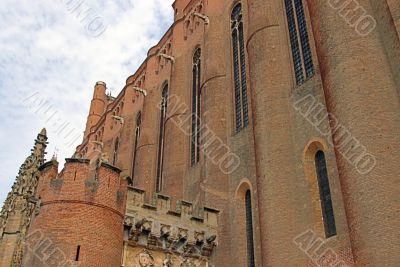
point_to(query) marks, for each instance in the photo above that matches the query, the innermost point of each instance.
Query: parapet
(156, 227)
(101, 83)
(81, 181)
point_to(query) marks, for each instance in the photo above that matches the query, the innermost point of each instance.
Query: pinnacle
(43, 132)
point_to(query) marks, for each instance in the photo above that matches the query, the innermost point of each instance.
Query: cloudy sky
(51, 54)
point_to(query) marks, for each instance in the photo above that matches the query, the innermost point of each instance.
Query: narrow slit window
(299, 41)
(249, 230)
(137, 136)
(163, 116)
(239, 69)
(325, 194)
(78, 251)
(196, 109)
(116, 148)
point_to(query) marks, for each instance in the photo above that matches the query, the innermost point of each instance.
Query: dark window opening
(325, 195)
(239, 69)
(249, 230)
(163, 116)
(137, 136)
(116, 148)
(299, 41)
(196, 109)
(78, 251)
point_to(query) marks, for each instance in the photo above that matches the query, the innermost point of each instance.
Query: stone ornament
(145, 259)
(20, 201)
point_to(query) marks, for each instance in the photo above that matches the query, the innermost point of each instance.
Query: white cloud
(45, 50)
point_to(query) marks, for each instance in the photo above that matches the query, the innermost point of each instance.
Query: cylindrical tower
(80, 220)
(97, 106)
(362, 93)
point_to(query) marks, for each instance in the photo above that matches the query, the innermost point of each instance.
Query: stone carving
(128, 221)
(145, 259)
(191, 20)
(104, 158)
(168, 261)
(174, 237)
(20, 202)
(199, 237)
(189, 262)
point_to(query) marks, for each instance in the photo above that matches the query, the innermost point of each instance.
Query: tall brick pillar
(271, 83)
(215, 109)
(361, 92)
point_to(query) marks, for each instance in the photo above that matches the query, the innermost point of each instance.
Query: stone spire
(19, 205)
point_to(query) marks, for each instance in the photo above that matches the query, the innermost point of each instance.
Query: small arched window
(299, 41)
(137, 135)
(116, 148)
(325, 194)
(249, 230)
(239, 69)
(196, 109)
(163, 116)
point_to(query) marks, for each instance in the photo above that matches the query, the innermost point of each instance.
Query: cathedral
(255, 133)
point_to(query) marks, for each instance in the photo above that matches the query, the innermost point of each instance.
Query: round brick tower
(80, 219)
(97, 106)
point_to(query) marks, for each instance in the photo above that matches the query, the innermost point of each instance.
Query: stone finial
(43, 132)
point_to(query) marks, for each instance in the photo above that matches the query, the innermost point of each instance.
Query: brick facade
(343, 101)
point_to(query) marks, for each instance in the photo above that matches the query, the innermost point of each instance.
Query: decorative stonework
(139, 81)
(139, 257)
(192, 20)
(177, 234)
(164, 56)
(20, 204)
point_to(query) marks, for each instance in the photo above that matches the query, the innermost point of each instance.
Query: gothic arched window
(302, 58)
(239, 69)
(196, 111)
(116, 148)
(163, 116)
(325, 194)
(137, 135)
(249, 230)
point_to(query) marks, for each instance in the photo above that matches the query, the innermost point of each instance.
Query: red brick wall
(76, 211)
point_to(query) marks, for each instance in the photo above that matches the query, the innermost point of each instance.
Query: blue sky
(52, 53)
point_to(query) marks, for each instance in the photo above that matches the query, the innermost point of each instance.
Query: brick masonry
(356, 82)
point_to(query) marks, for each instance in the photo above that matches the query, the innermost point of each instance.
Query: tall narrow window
(163, 116)
(249, 230)
(239, 69)
(325, 194)
(299, 42)
(116, 148)
(196, 112)
(137, 135)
